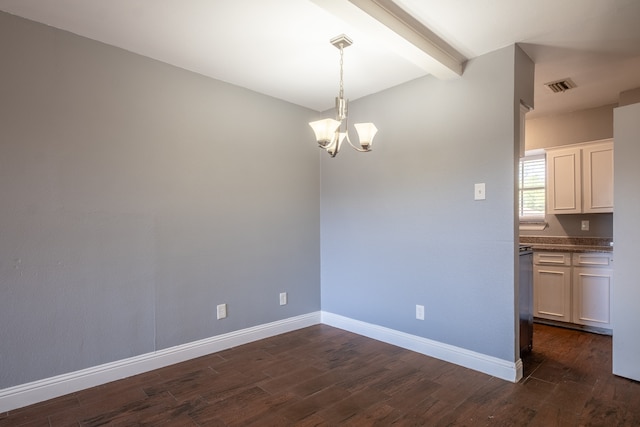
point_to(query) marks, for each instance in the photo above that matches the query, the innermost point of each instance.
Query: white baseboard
(49, 388)
(504, 369)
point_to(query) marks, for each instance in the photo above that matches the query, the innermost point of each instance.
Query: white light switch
(479, 193)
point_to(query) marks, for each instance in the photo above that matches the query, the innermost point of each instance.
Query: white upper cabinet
(564, 175)
(580, 178)
(597, 182)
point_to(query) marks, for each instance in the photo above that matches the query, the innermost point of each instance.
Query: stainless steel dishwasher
(525, 298)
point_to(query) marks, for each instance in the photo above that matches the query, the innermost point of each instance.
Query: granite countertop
(568, 244)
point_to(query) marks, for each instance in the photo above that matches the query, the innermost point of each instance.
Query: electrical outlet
(221, 311)
(584, 225)
(283, 298)
(420, 312)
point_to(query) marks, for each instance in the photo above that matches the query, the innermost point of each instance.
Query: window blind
(532, 179)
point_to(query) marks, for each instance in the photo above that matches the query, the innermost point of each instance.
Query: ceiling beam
(390, 24)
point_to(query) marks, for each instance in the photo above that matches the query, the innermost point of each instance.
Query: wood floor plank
(313, 404)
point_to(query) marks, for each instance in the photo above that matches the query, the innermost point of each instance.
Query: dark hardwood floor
(322, 376)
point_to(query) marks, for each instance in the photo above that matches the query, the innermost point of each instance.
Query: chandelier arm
(354, 147)
(345, 122)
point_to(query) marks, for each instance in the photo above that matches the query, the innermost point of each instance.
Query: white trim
(533, 225)
(37, 391)
(500, 368)
(48, 388)
(535, 152)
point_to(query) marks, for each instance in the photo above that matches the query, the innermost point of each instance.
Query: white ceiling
(281, 47)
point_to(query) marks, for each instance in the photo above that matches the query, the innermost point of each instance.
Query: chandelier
(331, 133)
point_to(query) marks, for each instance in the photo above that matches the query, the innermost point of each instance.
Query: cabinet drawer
(592, 259)
(552, 258)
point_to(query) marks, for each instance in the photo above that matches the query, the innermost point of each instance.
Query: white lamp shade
(325, 130)
(366, 132)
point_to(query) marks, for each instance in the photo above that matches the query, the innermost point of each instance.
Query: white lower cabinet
(592, 288)
(573, 288)
(552, 286)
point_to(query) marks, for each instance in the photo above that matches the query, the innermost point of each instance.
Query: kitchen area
(570, 262)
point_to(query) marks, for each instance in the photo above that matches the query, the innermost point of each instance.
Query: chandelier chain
(341, 73)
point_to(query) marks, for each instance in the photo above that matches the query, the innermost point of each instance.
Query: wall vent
(560, 85)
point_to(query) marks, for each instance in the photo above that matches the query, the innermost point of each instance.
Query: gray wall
(600, 225)
(628, 97)
(572, 128)
(135, 197)
(400, 226)
(626, 235)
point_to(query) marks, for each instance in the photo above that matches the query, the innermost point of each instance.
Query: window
(531, 185)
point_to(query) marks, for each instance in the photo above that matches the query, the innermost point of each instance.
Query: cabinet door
(597, 183)
(592, 296)
(564, 175)
(552, 292)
